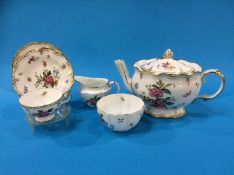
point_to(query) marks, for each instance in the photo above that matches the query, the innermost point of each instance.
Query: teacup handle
(222, 83)
(110, 83)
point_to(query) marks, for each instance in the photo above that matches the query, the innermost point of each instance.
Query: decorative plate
(41, 65)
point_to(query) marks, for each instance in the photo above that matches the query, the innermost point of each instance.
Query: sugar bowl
(120, 112)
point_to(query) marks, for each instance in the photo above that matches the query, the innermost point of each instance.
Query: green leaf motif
(167, 99)
(160, 83)
(167, 85)
(166, 91)
(169, 103)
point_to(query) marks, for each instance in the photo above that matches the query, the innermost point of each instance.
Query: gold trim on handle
(222, 85)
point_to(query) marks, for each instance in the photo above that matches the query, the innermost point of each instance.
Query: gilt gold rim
(175, 116)
(219, 74)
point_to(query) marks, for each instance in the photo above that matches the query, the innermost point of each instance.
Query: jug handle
(221, 87)
(110, 83)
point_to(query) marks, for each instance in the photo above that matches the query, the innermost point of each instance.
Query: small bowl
(42, 104)
(120, 112)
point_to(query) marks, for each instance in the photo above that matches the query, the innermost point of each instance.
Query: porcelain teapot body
(166, 85)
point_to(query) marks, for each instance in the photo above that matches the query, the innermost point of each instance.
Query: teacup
(42, 104)
(120, 112)
(92, 89)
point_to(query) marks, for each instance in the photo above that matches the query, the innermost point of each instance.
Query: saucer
(41, 66)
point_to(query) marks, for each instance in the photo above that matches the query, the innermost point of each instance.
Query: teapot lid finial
(168, 54)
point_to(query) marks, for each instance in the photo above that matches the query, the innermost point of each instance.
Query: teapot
(167, 85)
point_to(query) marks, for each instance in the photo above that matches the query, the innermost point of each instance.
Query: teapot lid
(167, 65)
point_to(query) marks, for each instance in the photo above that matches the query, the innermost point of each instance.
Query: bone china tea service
(92, 89)
(37, 69)
(161, 87)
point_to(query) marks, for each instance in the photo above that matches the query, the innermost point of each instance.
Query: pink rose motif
(42, 114)
(155, 92)
(165, 65)
(49, 80)
(158, 103)
(93, 102)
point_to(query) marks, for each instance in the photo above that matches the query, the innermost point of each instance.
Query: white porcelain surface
(120, 112)
(167, 85)
(92, 89)
(41, 66)
(167, 65)
(41, 104)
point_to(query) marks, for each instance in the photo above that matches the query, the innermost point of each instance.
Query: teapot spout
(121, 66)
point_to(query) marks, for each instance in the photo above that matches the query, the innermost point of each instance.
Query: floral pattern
(25, 89)
(167, 65)
(32, 59)
(41, 113)
(136, 85)
(101, 117)
(29, 79)
(187, 93)
(63, 66)
(120, 120)
(187, 80)
(47, 79)
(44, 63)
(42, 49)
(159, 95)
(109, 125)
(31, 69)
(93, 101)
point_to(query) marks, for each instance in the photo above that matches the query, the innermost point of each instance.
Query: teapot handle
(114, 83)
(221, 87)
